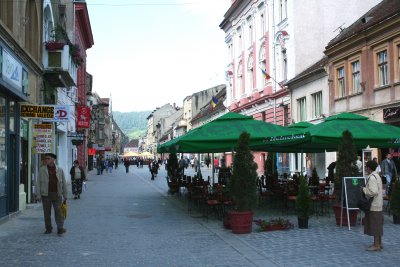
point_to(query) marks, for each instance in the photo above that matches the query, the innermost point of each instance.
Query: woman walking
(77, 177)
(373, 225)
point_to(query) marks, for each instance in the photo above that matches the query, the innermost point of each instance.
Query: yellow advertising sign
(42, 138)
(31, 111)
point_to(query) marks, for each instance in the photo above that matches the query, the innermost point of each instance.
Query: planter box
(54, 46)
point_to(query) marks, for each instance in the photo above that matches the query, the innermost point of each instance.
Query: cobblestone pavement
(129, 220)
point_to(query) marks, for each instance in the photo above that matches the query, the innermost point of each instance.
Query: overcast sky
(148, 53)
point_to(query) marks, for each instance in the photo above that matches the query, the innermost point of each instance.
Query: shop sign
(91, 151)
(31, 111)
(61, 114)
(391, 113)
(42, 138)
(12, 70)
(49, 113)
(83, 117)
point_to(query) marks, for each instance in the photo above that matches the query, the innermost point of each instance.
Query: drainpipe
(274, 57)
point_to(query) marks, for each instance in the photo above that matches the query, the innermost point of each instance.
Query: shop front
(13, 90)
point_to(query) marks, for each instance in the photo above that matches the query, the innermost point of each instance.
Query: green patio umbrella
(221, 135)
(326, 135)
(300, 125)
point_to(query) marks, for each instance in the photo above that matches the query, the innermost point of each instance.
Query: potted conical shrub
(304, 207)
(314, 181)
(395, 202)
(345, 167)
(172, 173)
(242, 187)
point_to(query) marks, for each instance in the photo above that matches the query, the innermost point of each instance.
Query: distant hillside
(133, 124)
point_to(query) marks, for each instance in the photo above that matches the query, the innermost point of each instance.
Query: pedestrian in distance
(116, 162)
(126, 164)
(181, 164)
(196, 164)
(110, 165)
(222, 162)
(151, 170)
(389, 170)
(51, 189)
(359, 166)
(216, 164)
(373, 221)
(155, 167)
(331, 172)
(77, 177)
(99, 165)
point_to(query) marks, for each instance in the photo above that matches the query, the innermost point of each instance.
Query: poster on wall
(42, 138)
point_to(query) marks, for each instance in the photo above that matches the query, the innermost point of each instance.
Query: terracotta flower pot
(352, 214)
(241, 221)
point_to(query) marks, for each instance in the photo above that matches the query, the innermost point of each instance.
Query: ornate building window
(262, 66)
(250, 69)
(239, 81)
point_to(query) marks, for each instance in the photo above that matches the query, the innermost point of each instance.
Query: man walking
(51, 190)
(389, 171)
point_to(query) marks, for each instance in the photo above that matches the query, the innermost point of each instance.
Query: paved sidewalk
(129, 220)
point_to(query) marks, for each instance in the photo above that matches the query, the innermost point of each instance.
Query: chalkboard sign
(352, 190)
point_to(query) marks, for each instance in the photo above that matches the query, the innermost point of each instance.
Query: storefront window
(2, 147)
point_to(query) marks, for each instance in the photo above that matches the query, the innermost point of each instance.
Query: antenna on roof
(340, 28)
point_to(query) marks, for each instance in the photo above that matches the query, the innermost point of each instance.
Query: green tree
(270, 164)
(172, 166)
(242, 184)
(346, 158)
(303, 200)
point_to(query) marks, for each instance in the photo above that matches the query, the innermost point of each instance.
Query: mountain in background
(133, 124)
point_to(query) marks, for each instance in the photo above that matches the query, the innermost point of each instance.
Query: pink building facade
(84, 40)
(252, 88)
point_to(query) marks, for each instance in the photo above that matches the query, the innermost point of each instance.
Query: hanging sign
(91, 151)
(83, 117)
(61, 114)
(42, 138)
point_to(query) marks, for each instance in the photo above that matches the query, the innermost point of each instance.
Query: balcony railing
(60, 70)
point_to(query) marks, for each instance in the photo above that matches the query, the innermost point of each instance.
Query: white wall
(313, 23)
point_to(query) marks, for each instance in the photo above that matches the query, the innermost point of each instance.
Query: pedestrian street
(126, 219)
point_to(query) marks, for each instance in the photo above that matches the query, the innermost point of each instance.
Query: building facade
(270, 43)
(364, 68)
(20, 81)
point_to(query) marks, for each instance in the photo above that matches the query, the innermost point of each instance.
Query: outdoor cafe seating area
(277, 194)
(280, 192)
(202, 195)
